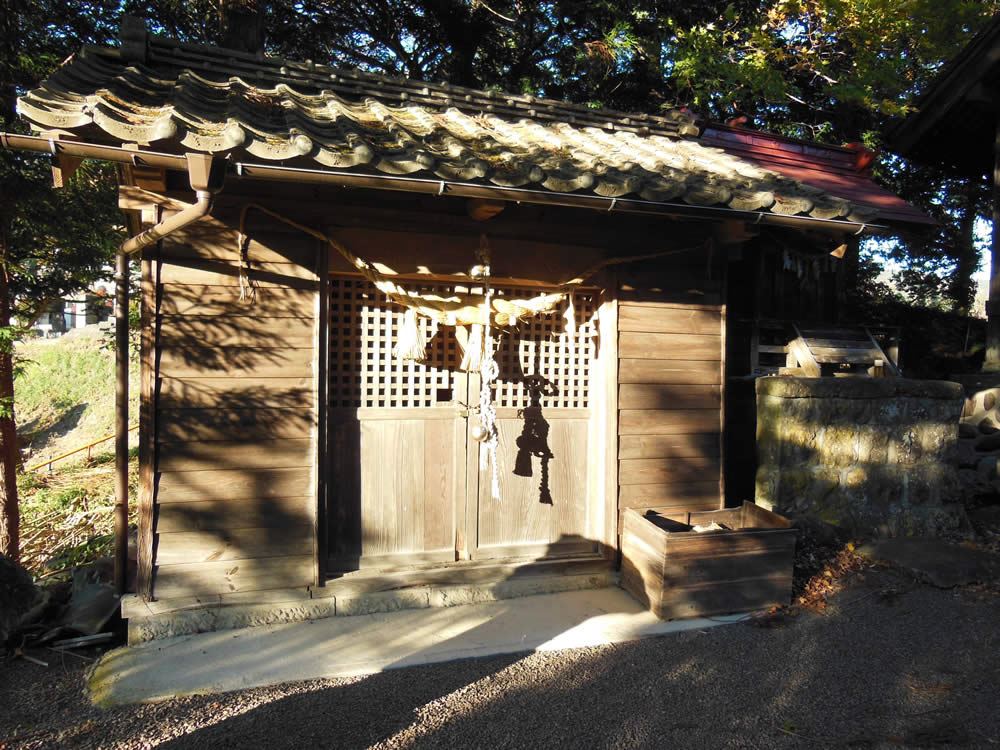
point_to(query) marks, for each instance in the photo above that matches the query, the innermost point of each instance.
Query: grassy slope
(64, 398)
(65, 394)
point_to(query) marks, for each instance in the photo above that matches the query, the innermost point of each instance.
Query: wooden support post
(121, 422)
(992, 361)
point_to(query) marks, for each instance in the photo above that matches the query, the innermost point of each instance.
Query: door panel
(542, 396)
(397, 436)
(406, 485)
(543, 491)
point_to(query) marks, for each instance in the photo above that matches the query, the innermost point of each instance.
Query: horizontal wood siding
(670, 404)
(236, 405)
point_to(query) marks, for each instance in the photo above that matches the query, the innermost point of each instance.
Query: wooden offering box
(678, 572)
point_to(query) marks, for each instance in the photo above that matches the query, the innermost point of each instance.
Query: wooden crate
(677, 572)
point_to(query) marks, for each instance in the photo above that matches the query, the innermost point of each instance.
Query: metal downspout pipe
(206, 177)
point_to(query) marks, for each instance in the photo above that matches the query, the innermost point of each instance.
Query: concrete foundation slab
(345, 646)
(153, 621)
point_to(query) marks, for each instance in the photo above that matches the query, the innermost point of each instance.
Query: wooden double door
(408, 484)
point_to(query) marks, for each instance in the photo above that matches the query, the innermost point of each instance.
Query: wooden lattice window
(364, 327)
(540, 363)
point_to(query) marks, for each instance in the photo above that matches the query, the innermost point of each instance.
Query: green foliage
(65, 397)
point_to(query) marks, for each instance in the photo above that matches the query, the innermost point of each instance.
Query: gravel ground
(889, 664)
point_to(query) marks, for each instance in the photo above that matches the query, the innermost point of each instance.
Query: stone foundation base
(874, 457)
(152, 621)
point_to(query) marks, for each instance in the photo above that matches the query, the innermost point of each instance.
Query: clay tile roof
(179, 96)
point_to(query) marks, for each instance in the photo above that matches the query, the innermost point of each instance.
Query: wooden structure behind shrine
(957, 126)
(286, 446)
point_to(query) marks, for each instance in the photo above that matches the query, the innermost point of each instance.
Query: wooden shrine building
(401, 334)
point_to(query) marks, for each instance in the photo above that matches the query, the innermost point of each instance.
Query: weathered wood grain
(441, 460)
(662, 422)
(232, 544)
(639, 318)
(227, 273)
(260, 454)
(231, 393)
(681, 446)
(235, 485)
(186, 425)
(392, 487)
(661, 471)
(703, 495)
(178, 331)
(678, 371)
(447, 254)
(216, 242)
(632, 345)
(191, 579)
(543, 499)
(196, 361)
(684, 573)
(147, 426)
(669, 396)
(203, 299)
(230, 513)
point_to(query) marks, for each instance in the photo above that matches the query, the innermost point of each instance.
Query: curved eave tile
(213, 109)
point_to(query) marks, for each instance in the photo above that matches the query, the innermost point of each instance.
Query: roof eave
(427, 186)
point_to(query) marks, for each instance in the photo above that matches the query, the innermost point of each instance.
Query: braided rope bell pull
(486, 431)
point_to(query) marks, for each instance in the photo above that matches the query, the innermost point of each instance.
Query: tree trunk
(962, 287)
(10, 517)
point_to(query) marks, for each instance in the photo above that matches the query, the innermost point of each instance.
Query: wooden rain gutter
(205, 174)
(428, 186)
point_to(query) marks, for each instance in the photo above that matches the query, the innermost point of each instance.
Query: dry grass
(67, 516)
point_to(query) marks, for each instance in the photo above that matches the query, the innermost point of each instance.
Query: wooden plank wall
(234, 489)
(670, 368)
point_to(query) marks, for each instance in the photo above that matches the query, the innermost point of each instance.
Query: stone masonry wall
(870, 456)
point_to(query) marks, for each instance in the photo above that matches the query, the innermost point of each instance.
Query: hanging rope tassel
(569, 317)
(411, 343)
(489, 370)
(473, 355)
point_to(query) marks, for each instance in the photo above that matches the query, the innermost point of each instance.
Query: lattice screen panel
(540, 363)
(364, 327)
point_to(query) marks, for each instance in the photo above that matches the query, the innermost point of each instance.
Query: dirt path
(891, 663)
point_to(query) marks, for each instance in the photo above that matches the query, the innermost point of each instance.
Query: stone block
(989, 443)
(766, 484)
(904, 447)
(870, 455)
(937, 439)
(888, 413)
(823, 483)
(858, 388)
(873, 445)
(965, 454)
(840, 446)
(799, 442)
(383, 601)
(793, 486)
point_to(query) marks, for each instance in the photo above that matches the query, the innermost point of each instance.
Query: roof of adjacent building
(839, 170)
(955, 124)
(178, 96)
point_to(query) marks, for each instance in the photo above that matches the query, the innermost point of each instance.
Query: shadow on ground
(892, 664)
